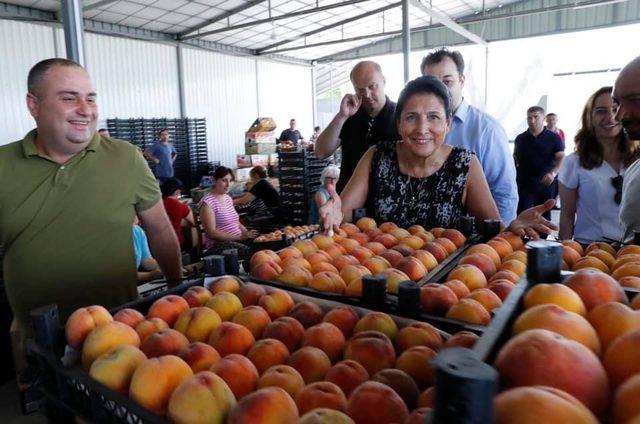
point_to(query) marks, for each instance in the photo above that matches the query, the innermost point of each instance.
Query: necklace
(414, 197)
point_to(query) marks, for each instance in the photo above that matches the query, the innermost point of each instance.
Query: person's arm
(247, 233)
(189, 220)
(477, 198)
(548, 178)
(354, 195)
(531, 223)
(208, 219)
(329, 139)
(162, 240)
(320, 199)
(150, 270)
(147, 154)
(568, 198)
(244, 198)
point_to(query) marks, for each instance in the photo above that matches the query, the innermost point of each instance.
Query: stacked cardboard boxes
(259, 148)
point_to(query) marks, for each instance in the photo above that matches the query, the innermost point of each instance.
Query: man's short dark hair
(161, 131)
(551, 114)
(39, 70)
(439, 55)
(221, 172)
(258, 171)
(170, 186)
(424, 85)
(316, 128)
(533, 109)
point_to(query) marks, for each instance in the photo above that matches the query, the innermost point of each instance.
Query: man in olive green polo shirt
(67, 200)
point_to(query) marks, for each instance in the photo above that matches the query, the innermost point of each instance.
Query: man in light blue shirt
(477, 131)
(163, 154)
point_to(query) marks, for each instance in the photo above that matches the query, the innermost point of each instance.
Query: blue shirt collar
(463, 109)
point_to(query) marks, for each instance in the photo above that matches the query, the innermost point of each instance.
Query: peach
(426, 236)
(514, 265)
(611, 320)
(455, 236)
(225, 304)
(253, 317)
(300, 262)
(307, 313)
(227, 284)
(419, 415)
(269, 405)
(324, 416)
(436, 299)
(115, 368)
(365, 223)
(590, 262)
(418, 334)
(469, 310)
(416, 229)
(635, 304)
(165, 342)
(238, 372)
(457, 287)
(82, 321)
(518, 255)
(629, 249)
(448, 245)
(558, 294)
(290, 252)
(524, 361)
(413, 242)
(394, 278)
(604, 256)
(574, 245)
(168, 308)
(625, 259)
(376, 264)
(391, 256)
(230, 337)
(462, 338)
(625, 401)
(399, 233)
(372, 349)
(595, 288)
(349, 228)
(322, 240)
(601, 246)
(627, 270)
(266, 271)
(329, 282)
(501, 287)
(339, 234)
(633, 282)
(377, 321)
(552, 406)
(486, 298)
(326, 337)
(470, 275)
(318, 257)
(214, 400)
(386, 227)
(554, 318)
(354, 289)
(283, 376)
(414, 362)
(197, 323)
(150, 326)
(307, 247)
(197, 296)
(376, 403)
(276, 302)
(347, 375)
(321, 394)
(311, 362)
(513, 239)
(323, 267)
(622, 358)
(267, 353)
(373, 233)
(505, 274)
(351, 272)
(361, 254)
(348, 244)
(264, 256)
(403, 249)
(250, 293)
(412, 267)
(344, 260)
(335, 250)
(401, 383)
(426, 258)
(286, 329)
(131, 317)
(387, 240)
(343, 317)
(199, 356)
(106, 337)
(375, 247)
(437, 231)
(501, 246)
(361, 238)
(480, 261)
(570, 255)
(487, 250)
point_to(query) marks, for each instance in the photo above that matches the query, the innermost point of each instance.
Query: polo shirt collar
(462, 111)
(30, 150)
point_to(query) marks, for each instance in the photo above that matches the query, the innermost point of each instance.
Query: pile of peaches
(575, 351)
(337, 264)
(237, 353)
(288, 231)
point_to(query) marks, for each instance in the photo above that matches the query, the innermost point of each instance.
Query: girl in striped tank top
(220, 220)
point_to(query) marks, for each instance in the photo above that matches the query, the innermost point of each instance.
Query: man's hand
(531, 222)
(331, 212)
(547, 178)
(349, 105)
(156, 160)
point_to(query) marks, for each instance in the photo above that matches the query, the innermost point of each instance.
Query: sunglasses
(616, 182)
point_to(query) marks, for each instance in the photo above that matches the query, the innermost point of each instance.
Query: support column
(183, 105)
(73, 32)
(406, 39)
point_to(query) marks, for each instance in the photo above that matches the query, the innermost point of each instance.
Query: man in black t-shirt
(291, 134)
(364, 119)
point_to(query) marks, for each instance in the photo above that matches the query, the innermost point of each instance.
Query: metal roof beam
(263, 50)
(225, 15)
(13, 11)
(98, 4)
(449, 23)
(274, 18)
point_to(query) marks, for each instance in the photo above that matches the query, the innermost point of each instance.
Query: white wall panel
(133, 79)
(222, 89)
(22, 46)
(285, 92)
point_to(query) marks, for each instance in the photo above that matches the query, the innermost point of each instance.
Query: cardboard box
(262, 124)
(242, 161)
(273, 159)
(260, 137)
(260, 160)
(259, 148)
(241, 174)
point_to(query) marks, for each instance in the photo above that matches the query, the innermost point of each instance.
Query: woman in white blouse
(591, 178)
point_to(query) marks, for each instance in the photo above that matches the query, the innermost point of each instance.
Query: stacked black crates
(299, 176)
(189, 137)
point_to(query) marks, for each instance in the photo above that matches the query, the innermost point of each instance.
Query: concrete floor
(10, 407)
